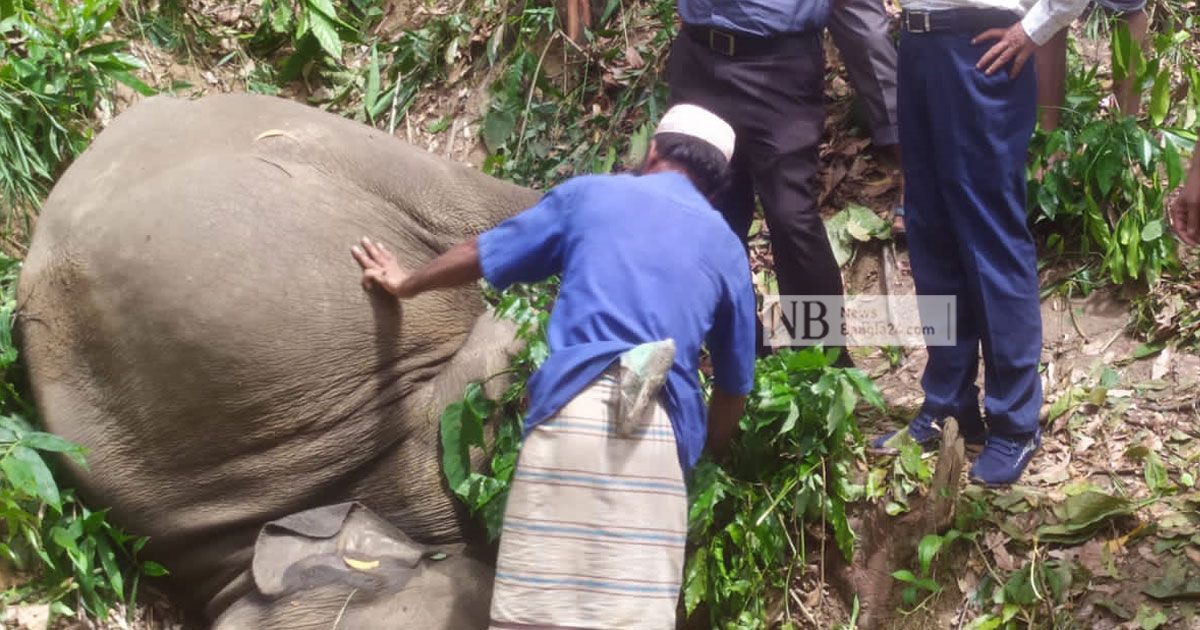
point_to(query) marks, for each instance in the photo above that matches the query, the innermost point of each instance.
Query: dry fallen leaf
(633, 57)
(995, 541)
(1091, 556)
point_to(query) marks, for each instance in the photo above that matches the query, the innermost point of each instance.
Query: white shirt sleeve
(1048, 17)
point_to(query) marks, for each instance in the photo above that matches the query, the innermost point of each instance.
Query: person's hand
(1185, 212)
(380, 268)
(1013, 44)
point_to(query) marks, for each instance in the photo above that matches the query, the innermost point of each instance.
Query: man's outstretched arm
(459, 265)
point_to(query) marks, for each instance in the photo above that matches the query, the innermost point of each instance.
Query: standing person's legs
(860, 31)
(981, 147)
(775, 105)
(934, 249)
(692, 78)
(780, 117)
(1051, 63)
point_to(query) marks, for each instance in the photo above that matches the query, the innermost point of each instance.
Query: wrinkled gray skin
(191, 314)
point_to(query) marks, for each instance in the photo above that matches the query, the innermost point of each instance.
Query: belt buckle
(921, 26)
(713, 38)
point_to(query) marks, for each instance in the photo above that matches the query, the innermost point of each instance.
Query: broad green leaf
(1082, 514)
(373, 84)
(498, 127)
(1150, 618)
(137, 84)
(1152, 231)
(27, 472)
(842, 534)
(910, 458)
(1160, 97)
(904, 575)
(1156, 474)
(928, 585)
(1147, 349)
(326, 34)
(695, 583)
(789, 422)
(456, 461)
(929, 547)
(108, 561)
(1174, 165)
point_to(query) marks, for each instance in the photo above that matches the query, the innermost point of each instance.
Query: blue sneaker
(926, 430)
(1004, 458)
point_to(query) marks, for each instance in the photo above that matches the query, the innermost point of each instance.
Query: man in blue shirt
(760, 65)
(596, 520)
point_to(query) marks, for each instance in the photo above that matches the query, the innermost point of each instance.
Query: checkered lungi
(596, 524)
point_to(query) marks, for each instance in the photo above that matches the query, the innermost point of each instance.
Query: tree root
(888, 543)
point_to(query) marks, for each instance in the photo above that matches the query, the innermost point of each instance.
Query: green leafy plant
(1109, 176)
(72, 555)
(311, 31)
(58, 63)
(1030, 597)
(463, 423)
(915, 583)
(789, 466)
(539, 128)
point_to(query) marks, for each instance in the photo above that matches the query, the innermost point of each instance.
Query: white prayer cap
(695, 121)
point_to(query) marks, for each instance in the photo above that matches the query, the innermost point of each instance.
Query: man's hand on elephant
(1014, 45)
(380, 268)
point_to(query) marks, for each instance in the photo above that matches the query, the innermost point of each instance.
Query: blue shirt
(641, 258)
(756, 17)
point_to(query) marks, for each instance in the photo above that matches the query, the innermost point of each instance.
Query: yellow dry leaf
(360, 565)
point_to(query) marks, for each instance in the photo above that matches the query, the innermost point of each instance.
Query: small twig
(962, 613)
(1075, 322)
(395, 101)
(824, 535)
(341, 612)
(529, 98)
(624, 25)
(808, 616)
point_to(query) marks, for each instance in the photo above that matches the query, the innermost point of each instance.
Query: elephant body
(190, 313)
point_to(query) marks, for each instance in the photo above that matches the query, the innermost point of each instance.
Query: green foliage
(58, 62)
(1104, 194)
(790, 465)
(538, 130)
(463, 422)
(854, 224)
(72, 555)
(1032, 596)
(311, 32)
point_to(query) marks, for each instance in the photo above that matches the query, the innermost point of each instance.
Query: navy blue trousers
(965, 138)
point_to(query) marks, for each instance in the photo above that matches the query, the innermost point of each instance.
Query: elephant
(189, 312)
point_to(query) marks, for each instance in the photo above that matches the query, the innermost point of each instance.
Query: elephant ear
(344, 544)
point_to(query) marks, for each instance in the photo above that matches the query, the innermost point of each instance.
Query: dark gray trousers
(860, 31)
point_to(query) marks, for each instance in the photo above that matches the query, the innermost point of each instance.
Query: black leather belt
(733, 44)
(968, 21)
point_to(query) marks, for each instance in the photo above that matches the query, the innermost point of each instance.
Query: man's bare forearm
(724, 413)
(459, 265)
